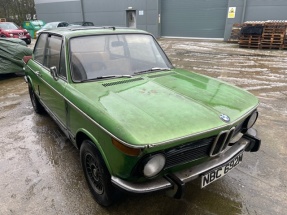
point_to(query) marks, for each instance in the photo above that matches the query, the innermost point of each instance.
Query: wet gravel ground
(40, 170)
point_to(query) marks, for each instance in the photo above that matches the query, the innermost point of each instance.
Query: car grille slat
(200, 148)
(189, 152)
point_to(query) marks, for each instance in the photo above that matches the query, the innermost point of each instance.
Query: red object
(11, 30)
(26, 59)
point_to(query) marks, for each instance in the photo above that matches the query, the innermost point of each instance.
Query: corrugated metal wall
(59, 10)
(258, 10)
(193, 18)
(113, 12)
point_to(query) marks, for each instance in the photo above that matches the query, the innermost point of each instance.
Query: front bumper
(177, 180)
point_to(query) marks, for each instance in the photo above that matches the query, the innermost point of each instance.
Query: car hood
(164, 106)
(16, 31)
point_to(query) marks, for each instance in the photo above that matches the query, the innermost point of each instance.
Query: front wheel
(97, 174)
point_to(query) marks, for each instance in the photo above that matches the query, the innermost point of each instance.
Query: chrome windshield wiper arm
(154, 69)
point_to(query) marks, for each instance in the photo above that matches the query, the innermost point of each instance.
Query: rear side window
(53, 52)
(39, 50)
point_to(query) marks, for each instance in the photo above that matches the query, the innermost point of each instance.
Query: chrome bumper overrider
(185, 175)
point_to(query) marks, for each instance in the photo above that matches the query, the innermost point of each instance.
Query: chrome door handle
(38, 74)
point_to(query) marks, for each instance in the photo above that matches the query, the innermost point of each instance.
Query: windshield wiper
(154, 69)
(109, 76)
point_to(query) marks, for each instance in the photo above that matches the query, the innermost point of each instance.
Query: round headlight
(154, 165)
(252, 119)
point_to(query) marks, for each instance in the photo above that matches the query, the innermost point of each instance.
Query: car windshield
(108, 56)
(9, 26)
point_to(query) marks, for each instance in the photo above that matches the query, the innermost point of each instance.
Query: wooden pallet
(235, 33)
(251, 41)
(273, 35)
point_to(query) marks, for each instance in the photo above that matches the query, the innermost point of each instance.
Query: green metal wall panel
(193, 18)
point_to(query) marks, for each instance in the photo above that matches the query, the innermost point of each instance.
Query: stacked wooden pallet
(250, 39)
(273, 36)
(235, 33)
(284, 46)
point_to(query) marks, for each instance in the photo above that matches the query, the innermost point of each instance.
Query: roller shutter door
(193, 18)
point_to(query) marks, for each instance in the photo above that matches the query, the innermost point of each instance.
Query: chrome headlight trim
(251, 120)
(154, 165)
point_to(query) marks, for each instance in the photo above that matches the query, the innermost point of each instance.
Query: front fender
(82, 134)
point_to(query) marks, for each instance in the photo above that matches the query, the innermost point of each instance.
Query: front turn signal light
(126, 149)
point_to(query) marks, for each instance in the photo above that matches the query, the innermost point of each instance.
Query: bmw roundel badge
(224, 118)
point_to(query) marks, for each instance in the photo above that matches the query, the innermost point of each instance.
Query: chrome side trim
(185, 175)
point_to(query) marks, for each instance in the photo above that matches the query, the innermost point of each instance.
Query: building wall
(59, 10)
(101, 12)
(193, 18)
(113, 12)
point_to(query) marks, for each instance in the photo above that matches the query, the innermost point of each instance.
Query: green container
(33, 26)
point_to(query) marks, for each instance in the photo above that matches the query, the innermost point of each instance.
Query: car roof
(70, 32)
(7, 22)
(56, 22)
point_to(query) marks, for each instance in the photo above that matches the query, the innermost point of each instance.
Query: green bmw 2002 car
(141, 125)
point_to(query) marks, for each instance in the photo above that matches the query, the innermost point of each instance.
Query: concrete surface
(40, 170)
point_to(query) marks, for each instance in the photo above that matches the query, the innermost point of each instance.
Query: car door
(51, 88)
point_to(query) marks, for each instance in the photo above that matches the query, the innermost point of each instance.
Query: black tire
(38, 108)
(97, 174)
(28, 41)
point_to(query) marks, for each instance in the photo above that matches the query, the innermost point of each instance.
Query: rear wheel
(97, 174)
(38, 108)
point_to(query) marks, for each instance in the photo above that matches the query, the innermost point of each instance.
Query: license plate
(22, 37)
(219, 172)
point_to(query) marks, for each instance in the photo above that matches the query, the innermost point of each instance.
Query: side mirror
(54, 72)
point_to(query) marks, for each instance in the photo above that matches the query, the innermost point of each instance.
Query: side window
(40, 48)
(62, 24)
(53, 50)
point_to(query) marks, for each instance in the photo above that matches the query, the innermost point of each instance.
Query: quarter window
(62, 70)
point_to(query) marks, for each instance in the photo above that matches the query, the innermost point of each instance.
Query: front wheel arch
(83, 135)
